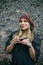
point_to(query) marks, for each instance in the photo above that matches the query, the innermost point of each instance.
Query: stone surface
(10, 11)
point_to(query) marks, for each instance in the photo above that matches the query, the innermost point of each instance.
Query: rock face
(10, 11)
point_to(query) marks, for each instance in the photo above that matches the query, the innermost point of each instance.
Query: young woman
(23, 43)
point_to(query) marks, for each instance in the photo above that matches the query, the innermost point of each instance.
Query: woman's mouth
(22, 26)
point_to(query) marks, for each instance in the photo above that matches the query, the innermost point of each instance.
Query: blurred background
(10, 11)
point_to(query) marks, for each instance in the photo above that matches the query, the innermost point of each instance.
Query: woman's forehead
(23, 19)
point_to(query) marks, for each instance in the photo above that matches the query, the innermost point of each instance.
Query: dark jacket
(20, 53)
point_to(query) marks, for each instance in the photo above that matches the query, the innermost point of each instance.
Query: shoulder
(13, 33)
(9, 38)
(37, 39)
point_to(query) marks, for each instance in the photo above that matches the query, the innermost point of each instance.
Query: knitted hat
(28, 18)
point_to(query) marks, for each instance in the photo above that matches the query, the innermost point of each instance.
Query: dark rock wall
(10, 11)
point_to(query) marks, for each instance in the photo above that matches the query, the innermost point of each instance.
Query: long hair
(29, 34)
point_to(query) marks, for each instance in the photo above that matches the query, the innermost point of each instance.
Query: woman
(23, 43)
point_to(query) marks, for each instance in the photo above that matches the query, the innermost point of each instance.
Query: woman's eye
(25, 21)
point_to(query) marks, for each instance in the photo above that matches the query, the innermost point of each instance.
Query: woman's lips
(22, 26)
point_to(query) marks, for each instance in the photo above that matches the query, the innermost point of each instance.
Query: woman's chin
(23, 29)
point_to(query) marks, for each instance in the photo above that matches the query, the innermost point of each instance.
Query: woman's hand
(26, 42)
(31, 49)
(15, 39)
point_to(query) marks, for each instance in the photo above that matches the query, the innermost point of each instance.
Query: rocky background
(10, 11)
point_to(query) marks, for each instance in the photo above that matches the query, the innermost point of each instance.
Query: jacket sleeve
(37, 44)
(9, 39)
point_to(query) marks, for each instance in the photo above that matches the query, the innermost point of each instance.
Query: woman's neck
(24, 32)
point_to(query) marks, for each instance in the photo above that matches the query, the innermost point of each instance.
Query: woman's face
(24, 24)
